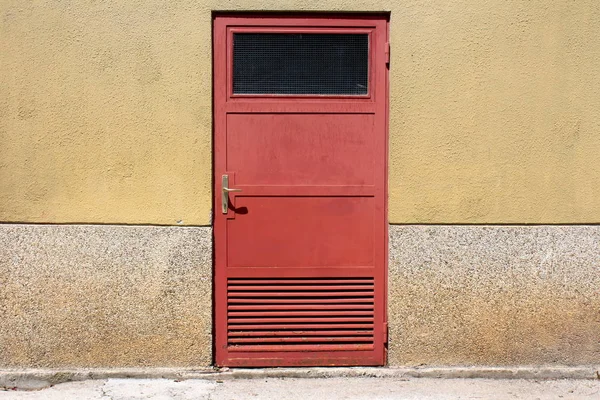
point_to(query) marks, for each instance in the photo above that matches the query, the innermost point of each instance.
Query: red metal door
(300, 245)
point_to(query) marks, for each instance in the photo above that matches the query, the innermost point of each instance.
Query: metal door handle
(226, 189)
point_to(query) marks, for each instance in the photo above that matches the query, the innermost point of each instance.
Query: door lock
(224, 195)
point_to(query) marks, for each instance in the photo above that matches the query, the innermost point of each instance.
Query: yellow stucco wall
(105, 109)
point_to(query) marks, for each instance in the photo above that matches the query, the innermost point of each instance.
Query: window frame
(369, 96)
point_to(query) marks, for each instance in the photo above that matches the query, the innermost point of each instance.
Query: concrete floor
(315, 389)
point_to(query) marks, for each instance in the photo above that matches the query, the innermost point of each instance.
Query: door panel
(301, 149)
(300, 252)
(288, 227)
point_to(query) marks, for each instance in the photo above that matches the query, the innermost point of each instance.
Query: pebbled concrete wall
(118, 296)
(501, 295)
(105, 109)
(105, 296)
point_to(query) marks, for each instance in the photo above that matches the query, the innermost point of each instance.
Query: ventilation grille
(285, 63)
(307, 314)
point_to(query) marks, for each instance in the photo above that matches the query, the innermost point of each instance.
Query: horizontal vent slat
(322, 339)
(292, 281)
(303, 347)
(298, 319)
(301, 333)
(295, 288)
(300, 326)
(299, 314)
(316, 313)
(301, 294)
(363, 300)
(289, 307)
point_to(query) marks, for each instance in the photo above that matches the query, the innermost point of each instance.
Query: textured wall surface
(495, 109)
(141, 296)
(105, 117)
(103, 296)
(105, 109)
(468, 295)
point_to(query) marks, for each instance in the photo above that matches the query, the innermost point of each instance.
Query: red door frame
(225, 101)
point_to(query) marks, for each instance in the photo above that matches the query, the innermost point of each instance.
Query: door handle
(224, 195)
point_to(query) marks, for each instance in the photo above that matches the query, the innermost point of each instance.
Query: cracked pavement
(322, 389)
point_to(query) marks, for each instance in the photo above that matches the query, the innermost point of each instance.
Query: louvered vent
(300, 314)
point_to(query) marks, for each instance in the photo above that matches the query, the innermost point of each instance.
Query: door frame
(314, 19)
